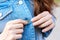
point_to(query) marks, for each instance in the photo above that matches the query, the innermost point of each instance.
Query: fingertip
(43, 31)
(26, 22)
(32, 20)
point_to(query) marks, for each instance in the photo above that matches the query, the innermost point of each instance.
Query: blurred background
(57, 1)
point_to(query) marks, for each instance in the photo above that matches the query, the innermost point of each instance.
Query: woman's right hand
(13, 30)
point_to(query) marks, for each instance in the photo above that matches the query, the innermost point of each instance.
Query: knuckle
(46, 12)
(22, 30)
(21, 25)
(41, 25)
(8, 23)
(51, 21)
(50, 15)
(21, 36)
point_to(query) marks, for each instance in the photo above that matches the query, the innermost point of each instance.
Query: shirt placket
(28, 18)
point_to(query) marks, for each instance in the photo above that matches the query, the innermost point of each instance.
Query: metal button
(20, 2)
(0, 14)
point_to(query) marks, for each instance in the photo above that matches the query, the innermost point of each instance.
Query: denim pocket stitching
(7, 13)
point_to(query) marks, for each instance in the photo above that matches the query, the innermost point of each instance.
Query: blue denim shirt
(20, 9)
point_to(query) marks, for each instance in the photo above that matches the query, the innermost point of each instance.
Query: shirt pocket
(5, 16)
(4, 13)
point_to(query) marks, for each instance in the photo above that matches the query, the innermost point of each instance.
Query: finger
(48, 28)
(18, 21)
(18, 31)
(46, 23)
(17, 36)
(40, 16)
(42, 20)
(17, 26)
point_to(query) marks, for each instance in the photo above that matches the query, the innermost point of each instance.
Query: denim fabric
(16, 11)
(11, 10)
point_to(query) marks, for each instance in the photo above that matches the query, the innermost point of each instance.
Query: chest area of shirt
(19, 10)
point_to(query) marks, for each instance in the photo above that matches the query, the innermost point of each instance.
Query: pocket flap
(5, 12)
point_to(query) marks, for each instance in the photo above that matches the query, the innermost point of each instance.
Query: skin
(43, 20)
(11, 31)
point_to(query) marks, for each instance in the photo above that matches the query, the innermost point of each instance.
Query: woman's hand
(13, 30)
(43, 20)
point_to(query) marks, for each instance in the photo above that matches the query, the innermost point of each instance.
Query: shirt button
(20, 2)
(0, 14)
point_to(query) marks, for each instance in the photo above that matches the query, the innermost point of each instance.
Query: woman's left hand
(43, 20)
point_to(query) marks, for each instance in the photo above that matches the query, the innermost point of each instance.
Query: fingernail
(32, 20)
(43, 30)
